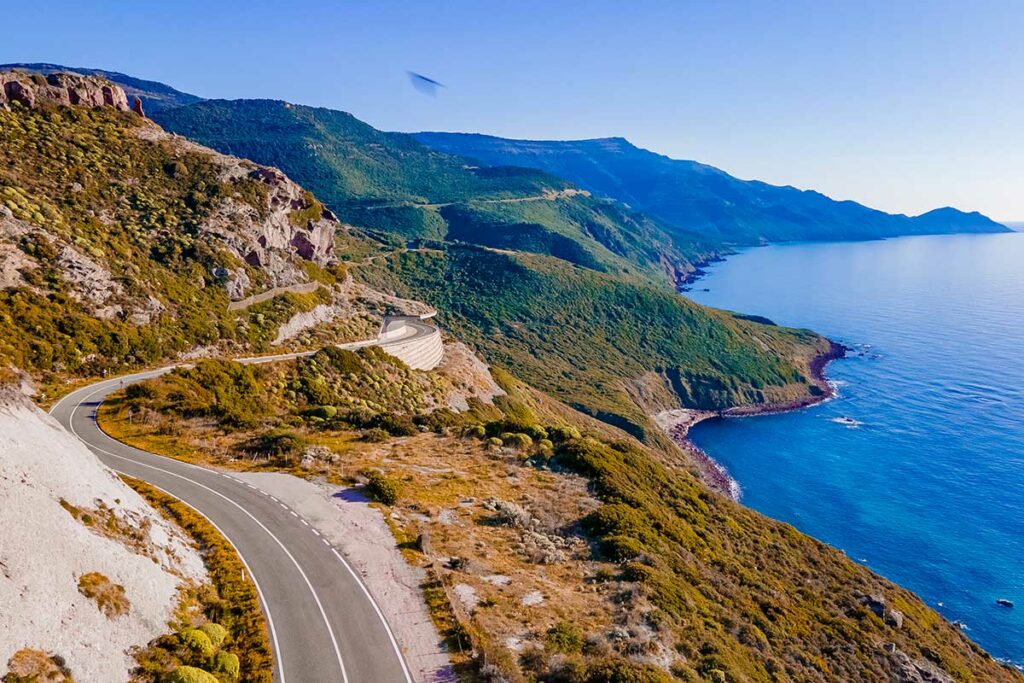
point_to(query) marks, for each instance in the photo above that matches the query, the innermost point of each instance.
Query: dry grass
(109, 596)
(36, 666)
(104, 521)
(444, 520)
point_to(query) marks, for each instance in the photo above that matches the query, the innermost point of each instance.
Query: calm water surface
(928, 488)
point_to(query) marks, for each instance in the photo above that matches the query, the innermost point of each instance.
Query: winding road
(324, 624)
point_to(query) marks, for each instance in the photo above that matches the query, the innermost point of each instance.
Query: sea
(916, 468)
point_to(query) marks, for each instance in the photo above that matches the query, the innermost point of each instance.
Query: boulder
(893, 618)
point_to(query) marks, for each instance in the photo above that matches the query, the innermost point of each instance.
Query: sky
(905, 106)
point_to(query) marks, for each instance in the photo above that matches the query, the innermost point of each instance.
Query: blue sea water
(924, 482)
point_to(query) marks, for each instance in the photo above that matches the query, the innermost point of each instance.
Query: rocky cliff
(31, 90)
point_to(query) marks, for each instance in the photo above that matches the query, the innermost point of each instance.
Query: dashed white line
(309, 585)
(304, 522)
(293, 513)
(326, 542)
(316, 532)
(274, 499)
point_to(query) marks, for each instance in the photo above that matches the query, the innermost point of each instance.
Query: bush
(565, 638)
(197, 641)
(438, 421)
(516, 440)
(495, 442)
(190, 674)
(325, 412)
(275, 445)
(215, 632)
(140, 390)
(561, 434)
(376, 435)
(396, 425)
(475, 431)
(622, 671)
(382, 489)
(226, 663)
(109, 596)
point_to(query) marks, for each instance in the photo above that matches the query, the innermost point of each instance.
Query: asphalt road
(324, 624)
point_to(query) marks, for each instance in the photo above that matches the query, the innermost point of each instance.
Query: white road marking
(380, 615)
(156, 373)
(316, 598)
(293, 513)
(326, 542)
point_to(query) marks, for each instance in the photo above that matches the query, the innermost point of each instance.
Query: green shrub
(190, 674)
(475, 431)
(565, 638)
(215, 632)
(516, 440)
(382, 488)
(376, 435)
(275, 445)
(325, 412)
(396, 425)
(197, 641)
(226, 663)
(563, 433)
(623, 671)
(495, 442)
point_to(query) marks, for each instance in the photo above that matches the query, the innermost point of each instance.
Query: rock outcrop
(271, 239)
(33, 90)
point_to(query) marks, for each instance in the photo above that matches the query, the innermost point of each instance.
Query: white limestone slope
(44, 550)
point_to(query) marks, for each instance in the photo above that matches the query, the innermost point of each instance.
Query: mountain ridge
(700, 198)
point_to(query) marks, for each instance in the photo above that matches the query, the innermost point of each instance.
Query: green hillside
(587, 337)
(111, 256)
(697, 198)
(391, 183)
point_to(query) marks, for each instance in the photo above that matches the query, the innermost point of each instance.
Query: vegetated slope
(391, 183)
(154, 95)
(600, 341)
(87, 569)
(699, 198)
(122, 245)
(518, 502)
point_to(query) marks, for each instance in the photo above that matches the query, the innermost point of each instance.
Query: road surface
(324, 624)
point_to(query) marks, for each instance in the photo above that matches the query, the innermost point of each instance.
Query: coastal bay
(917, 468)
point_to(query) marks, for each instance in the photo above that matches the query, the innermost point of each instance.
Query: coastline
(678, 422)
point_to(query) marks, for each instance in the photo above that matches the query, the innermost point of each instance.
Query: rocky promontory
(33, 90)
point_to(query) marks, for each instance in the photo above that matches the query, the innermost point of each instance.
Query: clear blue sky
(903, 105)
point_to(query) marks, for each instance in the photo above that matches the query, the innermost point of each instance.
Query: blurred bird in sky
(427, 86)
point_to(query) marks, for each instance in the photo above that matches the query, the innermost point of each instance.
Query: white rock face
(44, 550)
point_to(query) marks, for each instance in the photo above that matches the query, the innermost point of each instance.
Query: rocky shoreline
(677, 423)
